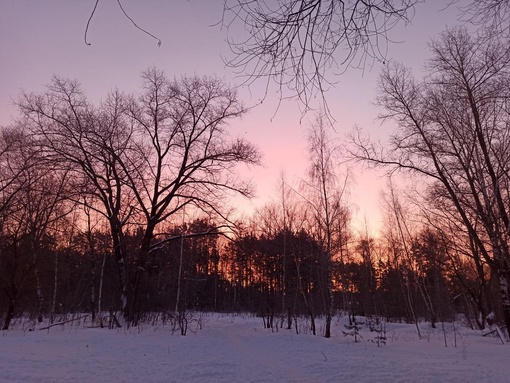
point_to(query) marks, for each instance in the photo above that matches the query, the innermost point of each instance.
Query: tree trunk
(55, 287)
(11, 308)
(100, 293)
(93, 285)
(179, 277)
(505, 297)
(133, 306)
(120, 258)
(327, 332)
(40, 298)
(330, 304)
(305, 300)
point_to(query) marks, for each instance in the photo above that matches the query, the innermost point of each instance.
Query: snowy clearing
(238, 349)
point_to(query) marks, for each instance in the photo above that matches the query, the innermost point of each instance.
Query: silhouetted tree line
(250, 273)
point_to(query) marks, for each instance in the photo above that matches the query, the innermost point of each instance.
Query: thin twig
(143, 30)
(88, 22)
(125, 14)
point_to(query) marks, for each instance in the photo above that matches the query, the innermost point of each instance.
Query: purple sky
(41, 38)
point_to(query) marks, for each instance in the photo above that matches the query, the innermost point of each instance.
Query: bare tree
(145, 157)
(34, 198)
(454, 131)
(88, 142)
(14, 266)
(189, 159)
(406, 232)
(326, 192)
(464, 259)
(44, 202)
(287, 214)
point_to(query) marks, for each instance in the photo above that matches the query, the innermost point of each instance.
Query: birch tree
(326, 191)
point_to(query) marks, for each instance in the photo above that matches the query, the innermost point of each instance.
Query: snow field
(238, 349)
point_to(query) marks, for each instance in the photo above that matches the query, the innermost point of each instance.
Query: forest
(122, 209)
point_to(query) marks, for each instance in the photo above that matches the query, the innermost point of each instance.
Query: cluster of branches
(492, 13)
(296, 43)
(303, 45)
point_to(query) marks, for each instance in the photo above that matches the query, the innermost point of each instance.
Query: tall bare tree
(88, 141)
(453, 130)
(15, 267)
(327, 193)
(145, 157)
(44, 201)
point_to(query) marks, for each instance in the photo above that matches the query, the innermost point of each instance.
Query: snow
(236, 348)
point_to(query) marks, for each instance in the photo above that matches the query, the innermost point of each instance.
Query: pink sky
(41, 38)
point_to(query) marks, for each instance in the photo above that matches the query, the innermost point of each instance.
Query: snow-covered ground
(238, 349)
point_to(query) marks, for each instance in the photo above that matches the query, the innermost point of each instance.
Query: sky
(39, 39)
